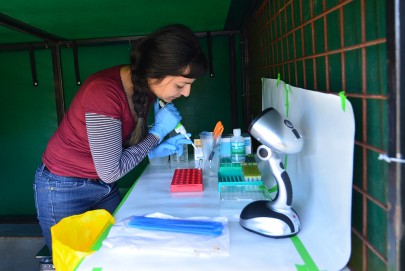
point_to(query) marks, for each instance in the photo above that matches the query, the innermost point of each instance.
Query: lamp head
(277, 133)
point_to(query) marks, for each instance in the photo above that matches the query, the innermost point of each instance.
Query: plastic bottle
(238, 151)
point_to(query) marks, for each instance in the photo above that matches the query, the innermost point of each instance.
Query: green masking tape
(274, 189)
(97, 269)
(287, 102)
(343, 100)
(309, 264)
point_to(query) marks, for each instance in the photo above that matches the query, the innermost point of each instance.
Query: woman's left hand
(170, 146)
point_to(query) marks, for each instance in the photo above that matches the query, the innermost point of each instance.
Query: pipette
(180, 129)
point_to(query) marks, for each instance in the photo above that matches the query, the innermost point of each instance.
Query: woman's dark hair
(170, 51)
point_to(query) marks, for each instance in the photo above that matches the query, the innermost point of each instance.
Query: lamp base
(259, 217)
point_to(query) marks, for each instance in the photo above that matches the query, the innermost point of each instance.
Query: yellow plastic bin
(74, 236)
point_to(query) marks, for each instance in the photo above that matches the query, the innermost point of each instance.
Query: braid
(140, 94)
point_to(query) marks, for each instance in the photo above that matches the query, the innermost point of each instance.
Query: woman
(104, 134)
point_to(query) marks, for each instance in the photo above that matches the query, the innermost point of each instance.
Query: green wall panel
(90, 59)
(28, 119)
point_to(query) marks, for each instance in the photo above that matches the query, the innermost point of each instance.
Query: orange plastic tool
(219, 128)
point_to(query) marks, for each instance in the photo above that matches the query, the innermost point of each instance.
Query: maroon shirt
(68, 151)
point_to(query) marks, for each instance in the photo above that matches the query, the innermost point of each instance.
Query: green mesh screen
(330, 46)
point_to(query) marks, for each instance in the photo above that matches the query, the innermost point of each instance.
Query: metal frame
(27, 29)
(396, 81)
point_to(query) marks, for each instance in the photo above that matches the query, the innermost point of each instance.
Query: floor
(19, 245)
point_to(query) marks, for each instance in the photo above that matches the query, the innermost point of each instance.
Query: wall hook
(76, 63)
(33, 67)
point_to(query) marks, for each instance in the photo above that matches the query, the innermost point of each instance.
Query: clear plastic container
(207, 141)
(158, 161)
(180, 160)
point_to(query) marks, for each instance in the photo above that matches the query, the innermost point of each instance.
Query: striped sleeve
(105, 139)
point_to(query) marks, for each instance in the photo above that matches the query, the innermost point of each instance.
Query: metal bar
(367, 244)
(27, 29)
(311, 4)
(337, 51)
(25, 46)
(396, 141)
(325, 30)
(370, 198)
(100, 41)
(33, 67)
(283, 36)
(132, 38)
(369, 147)
(58, 83)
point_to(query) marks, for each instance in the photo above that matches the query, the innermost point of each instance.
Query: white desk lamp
(273, 218)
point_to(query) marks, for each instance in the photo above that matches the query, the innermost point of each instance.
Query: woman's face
(171, 87)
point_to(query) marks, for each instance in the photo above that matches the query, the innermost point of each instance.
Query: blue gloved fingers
(183, 141)
(161, 150)
(179, 150)
(166, 120)
(178, 139)
(172, 109)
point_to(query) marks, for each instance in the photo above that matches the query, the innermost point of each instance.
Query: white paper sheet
(321, 174)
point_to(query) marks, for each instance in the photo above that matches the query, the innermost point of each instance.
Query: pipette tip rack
(187, 180)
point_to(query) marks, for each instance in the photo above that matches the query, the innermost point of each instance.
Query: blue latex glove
(166, 119)
(170, 146)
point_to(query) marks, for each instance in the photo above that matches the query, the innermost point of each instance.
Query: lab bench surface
(151, 194)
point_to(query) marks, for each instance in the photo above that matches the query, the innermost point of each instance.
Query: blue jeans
(57, 197)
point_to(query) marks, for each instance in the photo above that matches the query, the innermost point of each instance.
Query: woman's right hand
(166, 119)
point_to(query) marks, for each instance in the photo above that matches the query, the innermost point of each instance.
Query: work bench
(248, 251)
